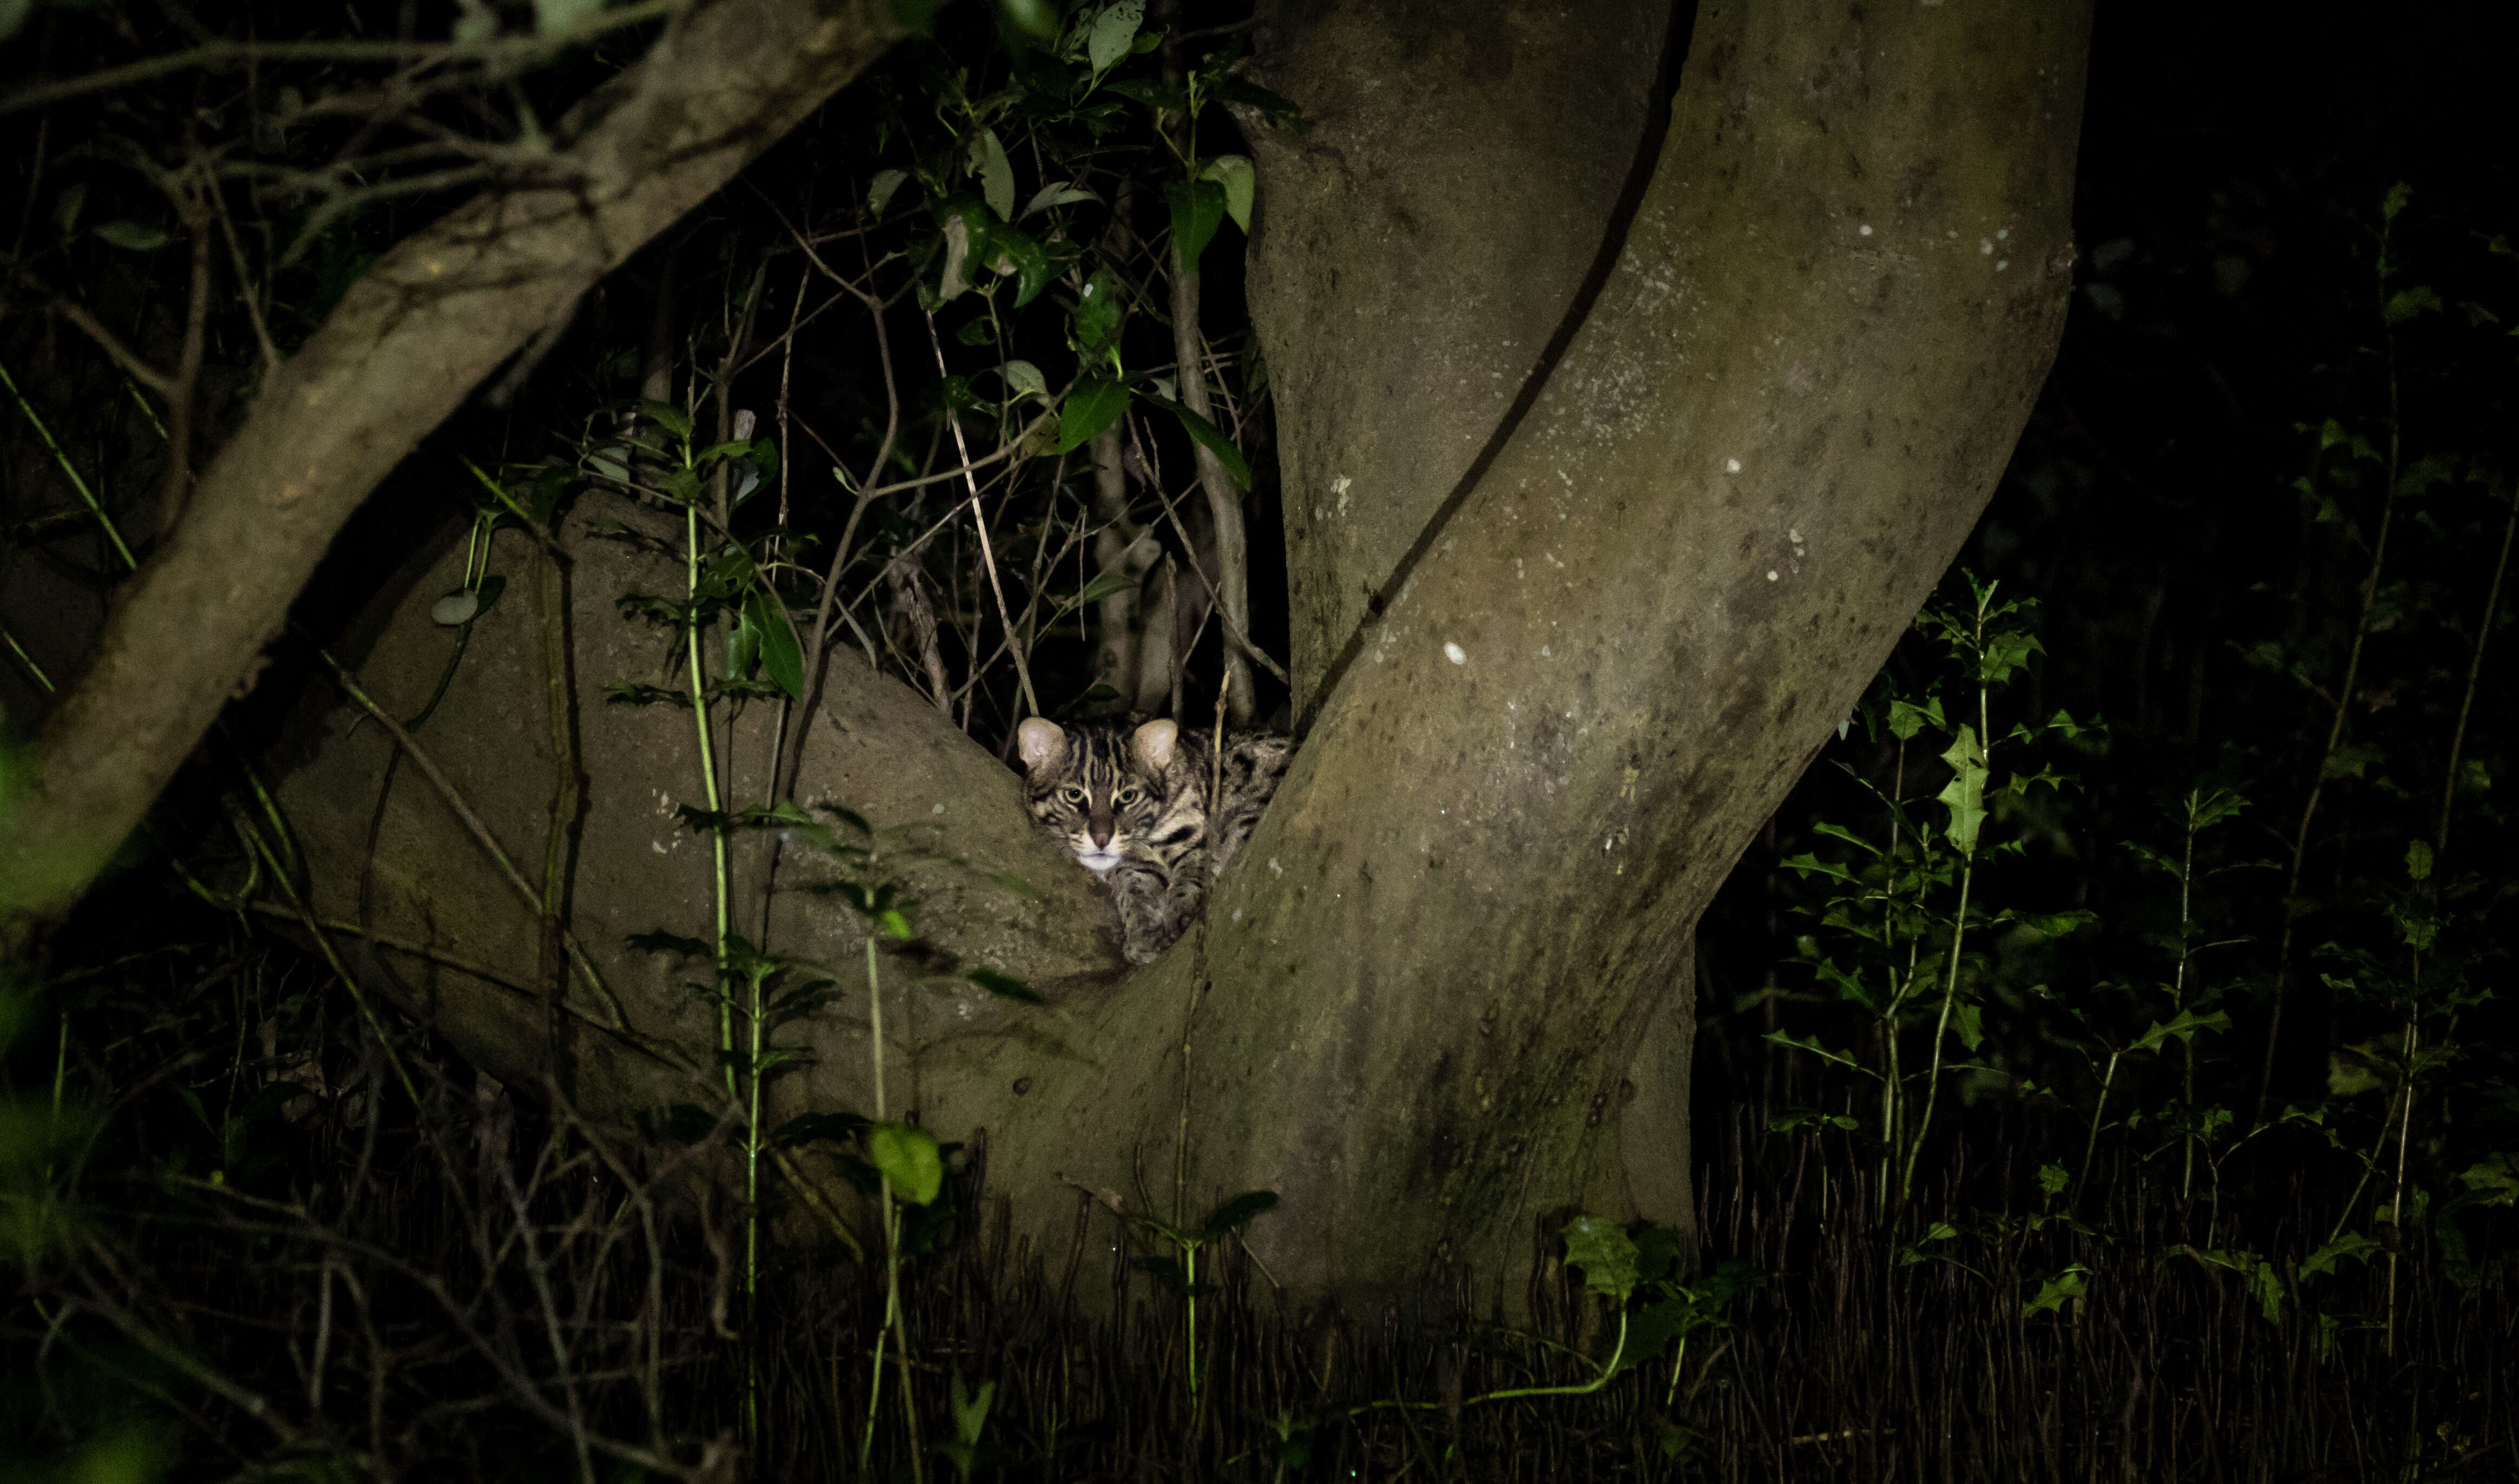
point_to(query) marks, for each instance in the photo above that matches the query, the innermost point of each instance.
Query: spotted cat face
(1102, 794)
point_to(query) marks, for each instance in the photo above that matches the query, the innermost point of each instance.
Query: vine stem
(2186, 950)
(708, 779)
(2099, 1117)
(895, 1322)
(86, 496)
(2474, 669)
(1941, 1029)
(1958, 923)
(1606, 1370)
(891, 1237)
(2343, 707)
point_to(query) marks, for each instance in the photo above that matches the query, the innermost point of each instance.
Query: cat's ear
(1043, 745)
(1153, 745)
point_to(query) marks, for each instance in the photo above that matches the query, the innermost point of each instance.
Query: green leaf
(1093, 405)
(1057, 193)
(1153, 94)
(1025, 379)
(2420, 476)
(2184, 1028)
(666, 416)
(1114, 34)
(1198, 209)
(2353, 760)
(2418, 860)
(1602, 1249)
(1240, 182)
(455, 609)
(1913, 1252)
(1006, 986)
(2262, 1280)
(782, 659)
(1657, 1252)
(1032, 263)
(1804, 1117)
(896, 924)
(1094, 324)
(971, 1411)
(2207, 807)
(1965, 792)
(2057, 1291)
(1212, 438)
(1906, 718)
(2405, 303)
(2350, 1246)
(1651, 1331)
(909, 1160)
(2395, 201)
(952, 280)
(996, 173)
(2268, 1285)
(879, 192)
(1102, 587)
(2004, 652)
(2493, 1179)
(548, 489)
(1969, 1022)
(742, 647)
(1811, 1044)
(2058, 924)
(2053, 1178)
(1840, 832)
(1236, 1213)
(132, 236)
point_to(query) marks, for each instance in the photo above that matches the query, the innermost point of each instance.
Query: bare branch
(409, 343)
(499, 53)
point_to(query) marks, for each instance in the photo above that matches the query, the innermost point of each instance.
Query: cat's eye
(1125, 795)
(1072, 794)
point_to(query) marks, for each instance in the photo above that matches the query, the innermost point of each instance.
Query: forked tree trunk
(1601, 623)
(1445, 993)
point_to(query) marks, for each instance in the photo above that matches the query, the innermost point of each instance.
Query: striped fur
(1131, 804)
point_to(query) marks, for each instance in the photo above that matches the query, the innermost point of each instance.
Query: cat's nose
(1101, 834)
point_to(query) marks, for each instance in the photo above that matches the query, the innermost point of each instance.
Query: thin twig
(511, 51)
(980, 522)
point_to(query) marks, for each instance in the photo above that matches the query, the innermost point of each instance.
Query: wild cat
(1132, 804)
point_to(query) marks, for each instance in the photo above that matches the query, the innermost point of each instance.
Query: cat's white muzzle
(1098, 861)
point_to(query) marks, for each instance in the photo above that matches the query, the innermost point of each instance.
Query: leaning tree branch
(433, 319)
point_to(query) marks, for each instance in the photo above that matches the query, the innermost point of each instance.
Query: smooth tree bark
(408, 343)
(1433, 231)
(1417, 997)
(1599, 623)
